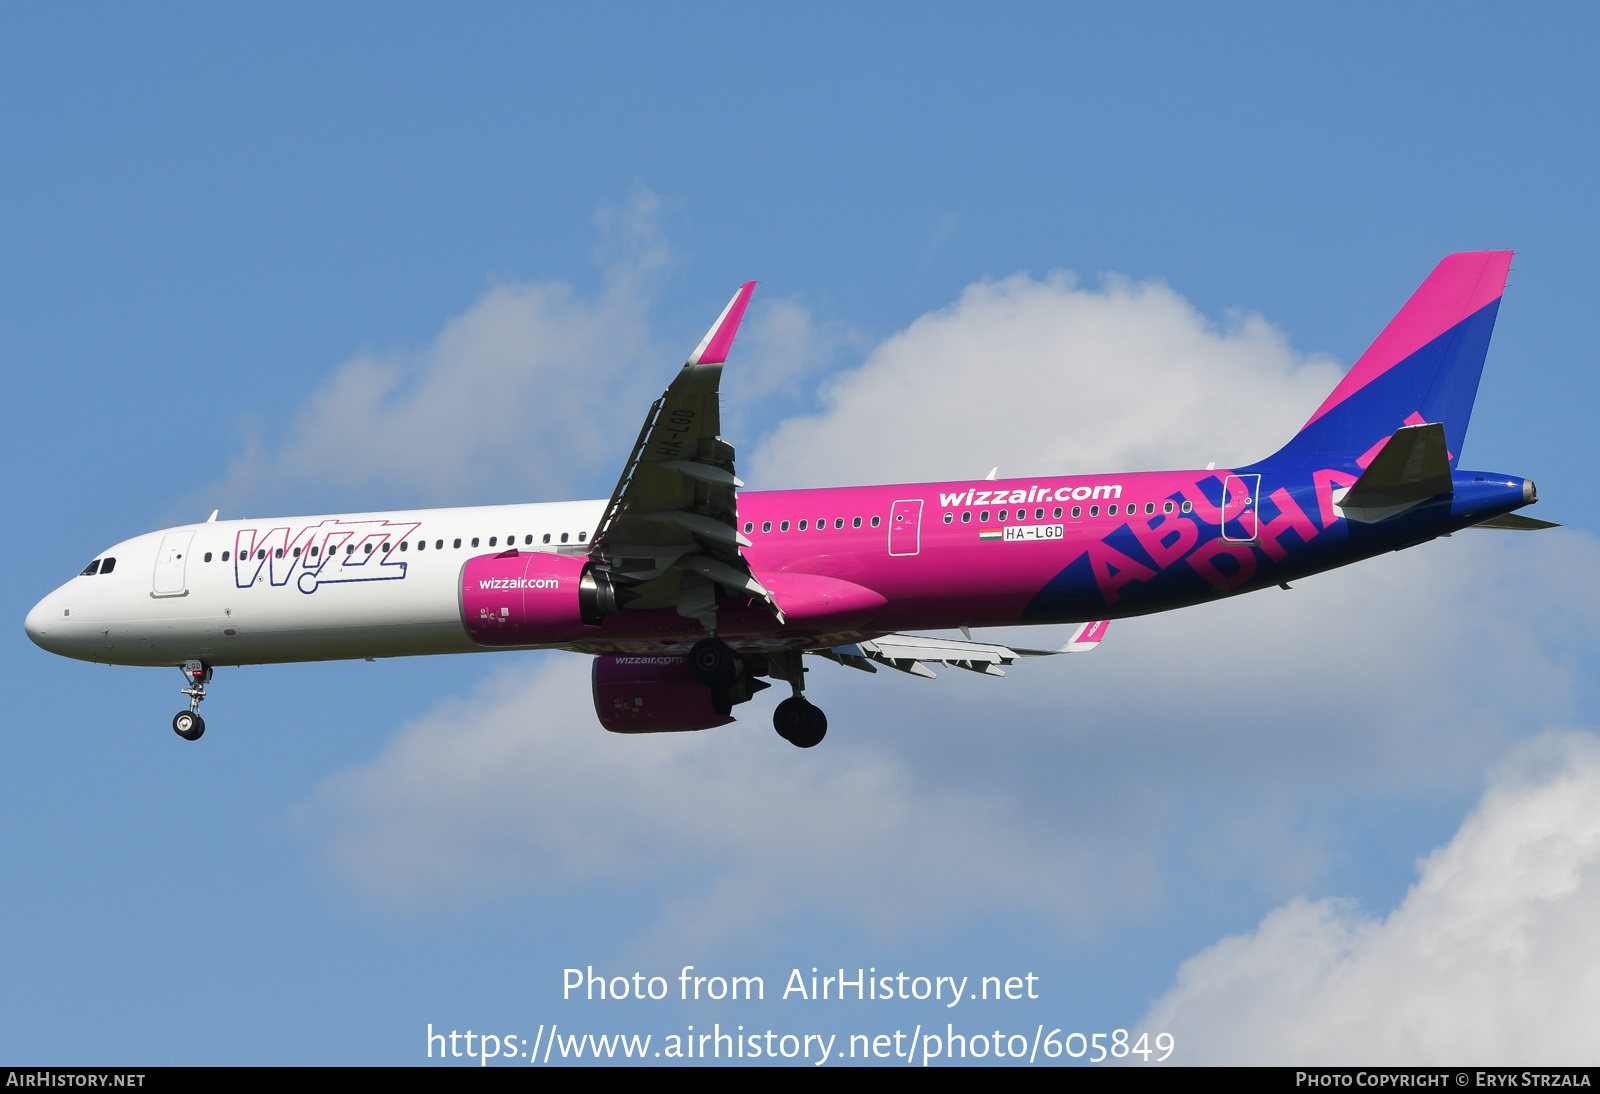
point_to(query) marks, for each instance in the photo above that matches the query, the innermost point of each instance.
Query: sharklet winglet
(713, 348)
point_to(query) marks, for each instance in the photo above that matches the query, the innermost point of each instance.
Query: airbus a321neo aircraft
(688, 590)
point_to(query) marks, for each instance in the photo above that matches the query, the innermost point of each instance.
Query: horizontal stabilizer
(1413, 466)
(1516, 522)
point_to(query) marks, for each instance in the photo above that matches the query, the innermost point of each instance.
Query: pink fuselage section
(1044, 550)
(945, 555)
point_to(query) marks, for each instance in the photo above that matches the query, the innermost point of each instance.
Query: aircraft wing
(912, 653)
(670, 533)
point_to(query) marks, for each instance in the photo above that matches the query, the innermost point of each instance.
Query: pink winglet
(713, 348)
(1459, 286)
(1088, 636)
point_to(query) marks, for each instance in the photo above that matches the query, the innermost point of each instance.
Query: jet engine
(519, 598)
(652, 693)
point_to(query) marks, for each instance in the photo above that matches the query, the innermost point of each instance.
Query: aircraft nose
(38, 623)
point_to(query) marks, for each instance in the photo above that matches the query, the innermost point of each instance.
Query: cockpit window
(91, 569)
(108, 565)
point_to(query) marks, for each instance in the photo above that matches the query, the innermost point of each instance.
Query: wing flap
(913, 653)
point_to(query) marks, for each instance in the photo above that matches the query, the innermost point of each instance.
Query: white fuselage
(294, 588)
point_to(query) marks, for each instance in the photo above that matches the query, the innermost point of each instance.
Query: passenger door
(905, 527)
(171, 562)
(1240, 496)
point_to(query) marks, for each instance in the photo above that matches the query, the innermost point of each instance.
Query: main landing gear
(187, 723)
(796, 719)
(731, 680)
(714, 663)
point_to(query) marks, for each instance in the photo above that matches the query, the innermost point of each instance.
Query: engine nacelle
(521, 598)
(652, 693)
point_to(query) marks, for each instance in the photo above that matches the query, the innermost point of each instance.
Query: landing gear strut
(187, 723)
(796, 719)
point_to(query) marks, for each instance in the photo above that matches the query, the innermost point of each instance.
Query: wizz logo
(321, 554)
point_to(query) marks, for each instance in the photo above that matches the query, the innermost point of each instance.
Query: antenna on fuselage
(993, 471)
(212, 519)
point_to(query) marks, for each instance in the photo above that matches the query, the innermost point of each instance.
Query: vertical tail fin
(1423, 368)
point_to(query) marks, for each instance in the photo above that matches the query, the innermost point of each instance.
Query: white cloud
(519, 786)
(1491, 958)
(1045, 377)
(782, 354)
(522, 396)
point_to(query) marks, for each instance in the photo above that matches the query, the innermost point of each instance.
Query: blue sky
(243, 253)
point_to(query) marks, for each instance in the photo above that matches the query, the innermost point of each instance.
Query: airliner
(691, 592)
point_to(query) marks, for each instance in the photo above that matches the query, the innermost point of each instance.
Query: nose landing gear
(187, 723)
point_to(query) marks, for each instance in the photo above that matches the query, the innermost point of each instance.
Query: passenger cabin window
(492, 540)
(91, 569)
(766, 526)
(1077, 511)
(527, 541)
(582, 536)
(966, 518)
(208, 555)
(783, 526)
(474, 541)
(749, 526)
(224, 556)
(458, 543)
(1188, 506)
(438, 545)
(1094, 510)
(875, 522)
(296, 554)
(949, 518)
(315, 551)
(403, 545)
(563, 537)
(547, 537)
(1058, 513)
(1166, 507)
(856, 523)
(802, 526)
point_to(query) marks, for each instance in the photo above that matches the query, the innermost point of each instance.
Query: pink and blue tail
(1424, 367)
